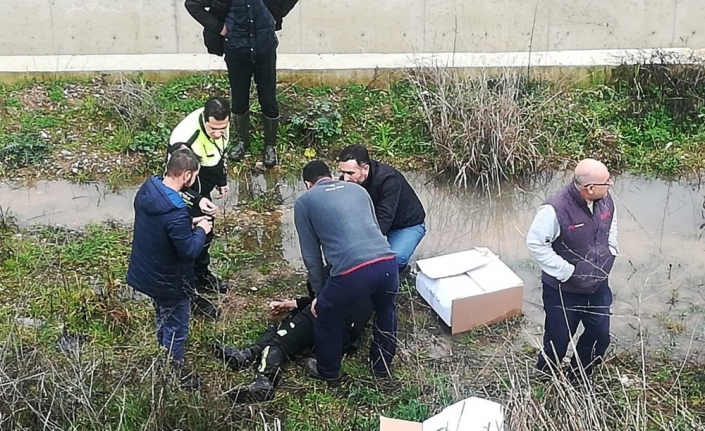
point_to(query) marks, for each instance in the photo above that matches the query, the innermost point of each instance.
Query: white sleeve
(614, 245)
(543, 231)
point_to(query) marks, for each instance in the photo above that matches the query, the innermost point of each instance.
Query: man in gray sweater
(339, 218)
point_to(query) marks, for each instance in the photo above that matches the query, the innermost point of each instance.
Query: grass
(644, 119)
(72, 282)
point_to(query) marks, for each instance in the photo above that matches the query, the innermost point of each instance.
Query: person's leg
(562, 319)
(240, 71)
(595, 339)
(384, 342)
(332, 303)
(404, 242)
(174, 326)
(158, 322)
(265, 74)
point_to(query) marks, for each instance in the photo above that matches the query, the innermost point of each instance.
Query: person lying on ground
(292, 337)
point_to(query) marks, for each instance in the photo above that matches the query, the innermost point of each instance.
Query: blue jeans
(564, 311)
(380, 282)
(173, 326)
(404, 242)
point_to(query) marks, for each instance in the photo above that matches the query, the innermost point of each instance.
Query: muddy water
(658, 279)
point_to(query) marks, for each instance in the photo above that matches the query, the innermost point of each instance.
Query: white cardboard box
(470, 288)
(470, 414)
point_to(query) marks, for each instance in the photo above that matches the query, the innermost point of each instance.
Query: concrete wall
(100, 27)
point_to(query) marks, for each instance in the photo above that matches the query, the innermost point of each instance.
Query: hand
(196, 220)
(207, 207)
(224, 31)
(206, 225)
(313, 307)
(277, 307)
(223, 191)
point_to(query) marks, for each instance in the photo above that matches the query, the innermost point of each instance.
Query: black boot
(311, 370)
(241, 140)
(271, 127)
(236, 359)
(405, 276)
(202, 306)
(260, 390)
(210, 283)
(187, 379)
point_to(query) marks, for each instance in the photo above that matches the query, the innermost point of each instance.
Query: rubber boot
(236, 359)
(271, 127)
(241, 141)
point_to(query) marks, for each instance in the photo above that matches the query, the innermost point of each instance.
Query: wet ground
(658, 279)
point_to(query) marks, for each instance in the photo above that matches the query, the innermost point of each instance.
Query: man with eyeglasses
(573, 237)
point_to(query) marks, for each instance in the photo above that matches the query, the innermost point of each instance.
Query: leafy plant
(24, 150)
(321, 122)
(151, 141)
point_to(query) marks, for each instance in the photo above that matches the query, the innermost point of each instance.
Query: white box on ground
(470, 414)
(470, 288)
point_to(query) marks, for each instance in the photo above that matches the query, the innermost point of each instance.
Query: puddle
(658, 279)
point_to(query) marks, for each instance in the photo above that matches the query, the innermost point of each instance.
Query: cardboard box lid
(449, 265)
(389, 424)
(470, 414)
(452, 280)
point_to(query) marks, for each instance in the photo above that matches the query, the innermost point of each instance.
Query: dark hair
(216, 107)
(355, 152)
(315, 170)
(182, 160)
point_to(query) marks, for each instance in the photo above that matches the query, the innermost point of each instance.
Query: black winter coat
(213, 19)
(164, 246)
(396, 203)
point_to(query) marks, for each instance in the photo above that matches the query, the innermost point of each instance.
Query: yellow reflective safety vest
(191, 131)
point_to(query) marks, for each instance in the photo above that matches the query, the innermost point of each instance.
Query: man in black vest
(574, 239)
(244, 31)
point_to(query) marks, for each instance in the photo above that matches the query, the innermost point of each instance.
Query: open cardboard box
(470, 288)
(470, 414)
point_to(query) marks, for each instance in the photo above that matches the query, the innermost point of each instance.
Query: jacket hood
(155, 198)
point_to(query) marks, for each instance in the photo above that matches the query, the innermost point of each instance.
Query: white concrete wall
(104, 27)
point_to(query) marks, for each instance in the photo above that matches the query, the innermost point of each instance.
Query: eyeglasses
(609, 182)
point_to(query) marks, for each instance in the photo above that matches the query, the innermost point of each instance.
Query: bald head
(591, 171)
(592, 179)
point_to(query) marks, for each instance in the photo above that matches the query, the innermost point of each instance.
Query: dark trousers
(241, 69)
(173, 326)
(380, 282)
(295, 336)
(563, 313)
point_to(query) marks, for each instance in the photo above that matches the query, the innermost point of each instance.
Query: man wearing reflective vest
(574, 240)
(206, 132)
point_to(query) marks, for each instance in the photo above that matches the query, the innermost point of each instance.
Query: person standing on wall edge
(244, 31)
(573, 237)
(399, 211)
(166, 240)
(339, 218)
(205, 131)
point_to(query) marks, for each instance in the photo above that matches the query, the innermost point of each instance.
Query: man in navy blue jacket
(166, 241)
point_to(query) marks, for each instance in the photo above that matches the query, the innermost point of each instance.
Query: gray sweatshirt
(339, 218)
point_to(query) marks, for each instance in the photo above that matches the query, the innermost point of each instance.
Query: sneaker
(260, 390)
(311, 370)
